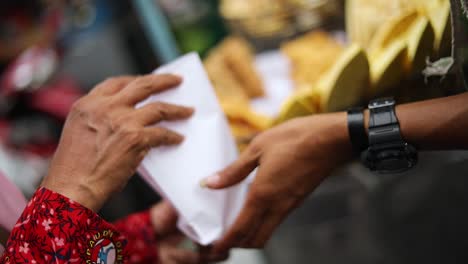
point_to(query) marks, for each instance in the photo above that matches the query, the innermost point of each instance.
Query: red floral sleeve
(139, 232)
(55, 229)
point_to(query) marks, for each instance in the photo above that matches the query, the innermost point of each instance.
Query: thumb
(234, 173)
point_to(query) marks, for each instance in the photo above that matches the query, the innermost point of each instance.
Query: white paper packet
(176, 172)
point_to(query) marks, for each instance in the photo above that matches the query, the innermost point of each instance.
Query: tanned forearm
(438, 124)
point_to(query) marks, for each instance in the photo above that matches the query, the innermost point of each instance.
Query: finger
(145, 86)
(156, 112)
(234, 173)
(250, 217)
(207, 255)
(112, 85)
(158, 136)
(184, 256)
(164, 218)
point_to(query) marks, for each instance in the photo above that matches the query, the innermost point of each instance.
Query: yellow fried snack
(387, 68)
(415, 30)
(240, 9)
(230, 69)
(239, 58)
(311, 56)
(308, 100)
(297, 105)
(227, 87)
(365, 17)
(244, 123)
(393, 29)
(421, 38)
(345, 84)
(245, 114)
(438, 12)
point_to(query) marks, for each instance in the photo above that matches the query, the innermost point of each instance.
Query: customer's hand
(292, 160)
(164, 219)
(105, 138)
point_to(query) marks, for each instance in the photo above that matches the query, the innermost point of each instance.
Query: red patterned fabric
(139, 233)
(55, 229)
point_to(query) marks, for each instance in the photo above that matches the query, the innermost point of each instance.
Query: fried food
(226, 86)
(244, 123)
(387, 68)
(301, 103)
(231, 68)
(346, 83)
(415, 30)
(239, 58)
(311, 56)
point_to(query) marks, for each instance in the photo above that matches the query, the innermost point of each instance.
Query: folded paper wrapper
(175, 172)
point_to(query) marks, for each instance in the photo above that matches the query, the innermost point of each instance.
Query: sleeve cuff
(140, 234)
(54, 228)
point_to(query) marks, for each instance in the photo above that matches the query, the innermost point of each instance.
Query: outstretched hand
(292, 160)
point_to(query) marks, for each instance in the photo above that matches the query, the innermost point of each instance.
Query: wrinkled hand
(292, 160)
(105, 138)
(164, 219)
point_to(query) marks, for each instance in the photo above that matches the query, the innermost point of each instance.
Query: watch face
(393, 160)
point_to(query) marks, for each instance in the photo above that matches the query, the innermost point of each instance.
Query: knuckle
(163, 135)
(161, 110)
(79, 108)
(255, 147)
(118, 123)
(143, 83)
(132, 137)
(110, 81)
(165, 80)
(178, 111)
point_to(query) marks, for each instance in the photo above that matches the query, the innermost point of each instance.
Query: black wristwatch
(386, 151)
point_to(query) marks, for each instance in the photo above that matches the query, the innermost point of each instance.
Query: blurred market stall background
(269, 61)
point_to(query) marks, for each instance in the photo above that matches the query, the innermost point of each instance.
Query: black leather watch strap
(383, 122)
(357, 130)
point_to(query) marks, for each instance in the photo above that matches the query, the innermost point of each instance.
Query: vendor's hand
(164, 219)
(105, 138)
(292, 160)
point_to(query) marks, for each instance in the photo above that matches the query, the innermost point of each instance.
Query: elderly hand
(292, 160)
(105, 138)
(164, 219)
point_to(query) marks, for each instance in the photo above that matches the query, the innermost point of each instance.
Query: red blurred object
(44, 150)
(5, 128)
(56, 98)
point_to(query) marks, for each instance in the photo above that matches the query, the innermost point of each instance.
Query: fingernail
(191, 110)
(210, 181)
(179, 78)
